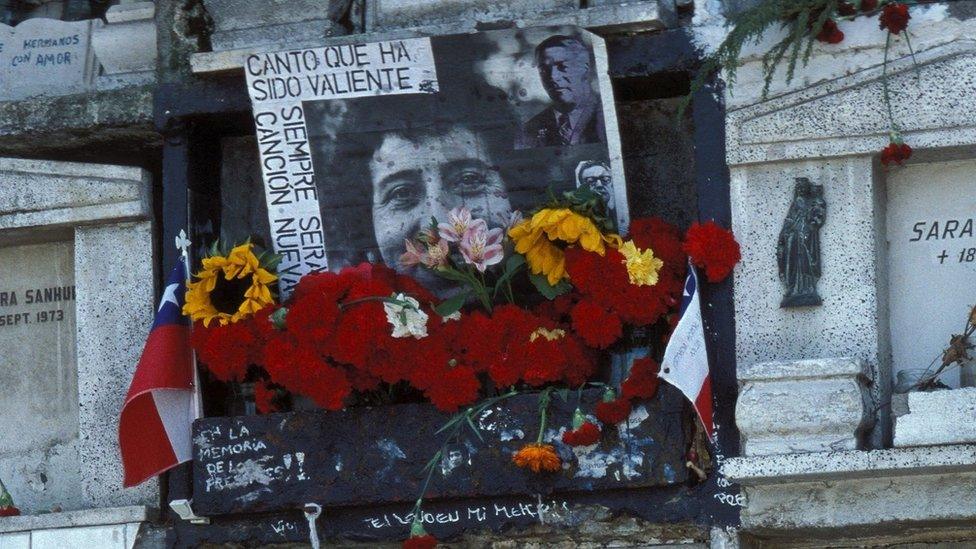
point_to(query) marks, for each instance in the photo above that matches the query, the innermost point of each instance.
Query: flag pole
(183, 244)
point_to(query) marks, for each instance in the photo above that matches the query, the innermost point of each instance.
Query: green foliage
(451, 305)
(803, 20)
(547, 290)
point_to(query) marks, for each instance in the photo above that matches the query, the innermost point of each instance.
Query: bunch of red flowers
(606, 300)
(333, 338)
(336, 339)
(712, 248)
(894, 17)
(641, 383)
(895, 153)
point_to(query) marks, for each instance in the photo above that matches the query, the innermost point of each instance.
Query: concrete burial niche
(894, 289)
(874, 280)
(76, 302)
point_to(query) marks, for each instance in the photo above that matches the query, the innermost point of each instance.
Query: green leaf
(451, 305)
(474, 428)
(563, 394)
(279, 318)
(433, 461)
(512, 265)
(452, 422)
(452, 274)
(549, 291)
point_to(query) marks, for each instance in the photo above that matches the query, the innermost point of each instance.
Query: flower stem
(343, 306)
(544, 399)
(884, 84)
(457, 422)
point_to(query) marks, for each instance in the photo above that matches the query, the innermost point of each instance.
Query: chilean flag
(685, 363)
(154, 426)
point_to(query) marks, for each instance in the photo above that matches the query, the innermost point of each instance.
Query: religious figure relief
(798, 249)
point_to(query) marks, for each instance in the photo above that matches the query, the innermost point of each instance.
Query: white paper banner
(278, 83)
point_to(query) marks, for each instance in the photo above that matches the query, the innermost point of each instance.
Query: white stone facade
(829, 125)
(110, 528)
(104, 213)
(781, 406)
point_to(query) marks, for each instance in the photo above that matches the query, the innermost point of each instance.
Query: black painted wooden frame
(194, 115)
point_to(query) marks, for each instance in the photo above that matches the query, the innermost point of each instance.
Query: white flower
(406, 317)
(456, 315)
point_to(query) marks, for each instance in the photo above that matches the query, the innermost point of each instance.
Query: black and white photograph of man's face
(565, 73)
(598, 178)
(421, 177)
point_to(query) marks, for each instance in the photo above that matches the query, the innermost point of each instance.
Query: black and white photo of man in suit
(575, 117)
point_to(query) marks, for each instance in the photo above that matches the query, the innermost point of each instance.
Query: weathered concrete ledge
(631, 17)
(938, 417)
(787, 468)
(41, 193)
(72, 519)
(851, 495)
(781, 409)
(56, 123)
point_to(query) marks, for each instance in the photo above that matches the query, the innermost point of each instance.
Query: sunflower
(542, 237)
(538, 457)
(229, 288)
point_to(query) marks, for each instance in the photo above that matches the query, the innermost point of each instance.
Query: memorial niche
(295, 451)
(38, 371)
(930, 260)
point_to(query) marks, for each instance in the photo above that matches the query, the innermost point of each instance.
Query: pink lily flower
(413, 255)
(458, 223)
(510, 220)
(482, 248)
(436, 255)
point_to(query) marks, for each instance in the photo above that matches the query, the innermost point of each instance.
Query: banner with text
(278, 84)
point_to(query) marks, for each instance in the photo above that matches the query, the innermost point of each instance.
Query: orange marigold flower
(538, 457)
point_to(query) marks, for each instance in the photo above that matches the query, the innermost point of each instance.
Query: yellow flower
(550, 335)
(538, 457)
(536, 238)
(642, 266)
(229, 288)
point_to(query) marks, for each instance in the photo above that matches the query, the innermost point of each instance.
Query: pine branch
(804, 19)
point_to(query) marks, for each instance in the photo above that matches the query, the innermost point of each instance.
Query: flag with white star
(154, 426)
(685, 363)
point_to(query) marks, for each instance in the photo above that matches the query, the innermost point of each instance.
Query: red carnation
(829, 33)
(895, 153)
(264, 396)
(313, 319)
(869, 5)
(642, 381)
(9, 511)
(420, 542)
(846, 9)
(455, 387)
(226, 350)
(713, 248)
(586, 434)
(894, 17)
(326, 385)
(597, 326)
(662, 237)
(612, 412)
